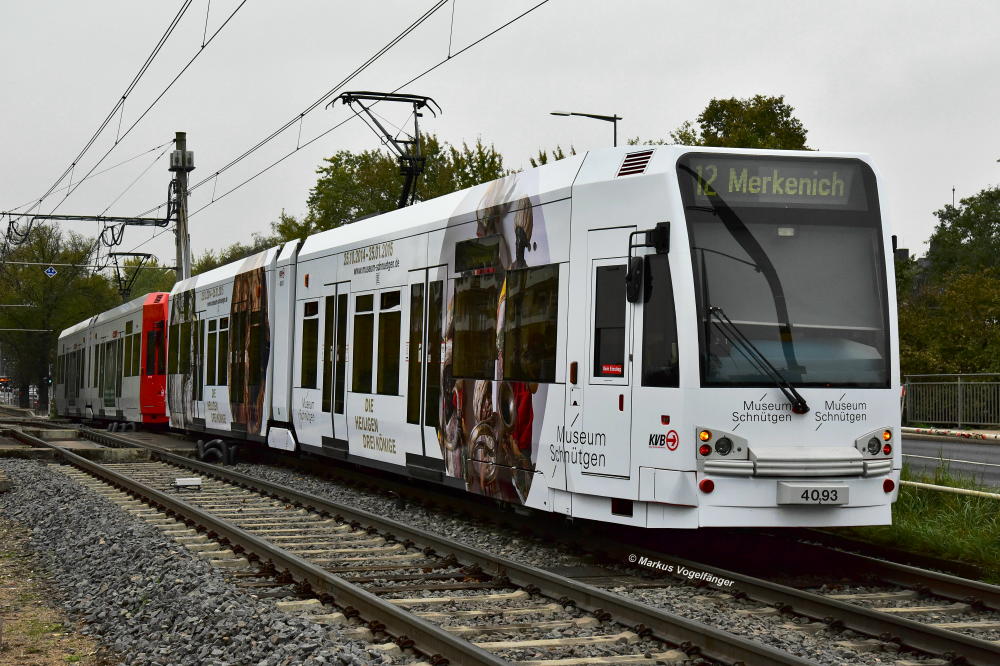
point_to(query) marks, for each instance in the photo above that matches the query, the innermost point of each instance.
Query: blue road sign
(51, 272)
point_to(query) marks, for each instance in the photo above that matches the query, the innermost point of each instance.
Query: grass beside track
(945, 525)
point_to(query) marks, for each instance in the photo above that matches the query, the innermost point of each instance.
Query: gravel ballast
(147, 598)
(705, 605)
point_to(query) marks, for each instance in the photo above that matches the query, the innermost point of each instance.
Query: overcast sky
(912, 83)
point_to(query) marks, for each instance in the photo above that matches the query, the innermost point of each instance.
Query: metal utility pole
(181, 164)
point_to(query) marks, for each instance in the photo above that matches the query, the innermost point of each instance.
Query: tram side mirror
(659, 238)
(633, 279)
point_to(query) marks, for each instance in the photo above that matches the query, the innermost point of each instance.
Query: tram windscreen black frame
(802, 275)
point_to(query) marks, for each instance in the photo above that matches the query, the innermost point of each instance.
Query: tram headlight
(873, 446)
(724, 446)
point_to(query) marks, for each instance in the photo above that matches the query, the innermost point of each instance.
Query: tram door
(423, 356)
(335, 357)
(600, 403)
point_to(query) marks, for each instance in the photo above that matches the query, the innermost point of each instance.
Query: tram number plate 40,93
(812, 493)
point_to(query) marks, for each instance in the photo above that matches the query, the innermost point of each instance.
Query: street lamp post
(611, 119)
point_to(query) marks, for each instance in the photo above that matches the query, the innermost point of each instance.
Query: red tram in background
(112, 367)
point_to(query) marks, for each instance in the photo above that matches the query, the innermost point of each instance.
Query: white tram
(653, 336)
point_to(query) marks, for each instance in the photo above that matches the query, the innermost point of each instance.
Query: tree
(952, 324)
(151, 276)
(55, 303)
(356, 185)
(757, 122)
(949, 302)
(209, 259)
(543, 156)
(967, 236)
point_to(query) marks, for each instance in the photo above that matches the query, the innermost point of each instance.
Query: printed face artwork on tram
(497, 353)
(234, 360)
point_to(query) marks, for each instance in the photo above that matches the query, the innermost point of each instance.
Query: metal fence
(959, 400)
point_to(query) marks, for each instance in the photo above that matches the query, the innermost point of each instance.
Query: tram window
(477, 253)
(310, 338)
(199, 363)
(128, 355)
(364, 330)
(474, 354)
(136, 351)
(341, 363)
(213, 340)
(223, 351)
(257, 360)
(609, 322)
(328, 312)
(184, 349)
(529, 342)
(119, 366)
(659, 326)
(389, 322)
(172, 355)
(435, 307)
(416, 352)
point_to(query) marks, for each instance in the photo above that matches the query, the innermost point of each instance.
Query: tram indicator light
(705, 435)
(887, 449)
(886, 435)
(705, 449)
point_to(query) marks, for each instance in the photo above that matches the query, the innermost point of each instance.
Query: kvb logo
(669, 440)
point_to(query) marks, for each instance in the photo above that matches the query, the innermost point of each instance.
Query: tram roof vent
(635, 163)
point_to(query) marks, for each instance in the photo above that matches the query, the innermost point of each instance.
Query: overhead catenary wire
(167, 88)
(320, 100)
(346, 120)
(95, 175)
(119, 104)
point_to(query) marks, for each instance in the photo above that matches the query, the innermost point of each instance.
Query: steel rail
(427, 637)
(942, 584)
(692, 636)
(871, 622)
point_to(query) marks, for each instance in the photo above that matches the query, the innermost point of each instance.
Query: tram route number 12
(706, 177)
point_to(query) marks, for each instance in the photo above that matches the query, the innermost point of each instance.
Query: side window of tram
(389, 322)
(364, 329)
(609, 321)
(310, 338)
(529, 341)
(474, 354)
(660, 366)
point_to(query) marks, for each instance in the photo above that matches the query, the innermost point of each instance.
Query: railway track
(951, 618)
(448, 602)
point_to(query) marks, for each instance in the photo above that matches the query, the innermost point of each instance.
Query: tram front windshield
(789, 266)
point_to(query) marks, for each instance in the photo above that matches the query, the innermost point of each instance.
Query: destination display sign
(768, 182)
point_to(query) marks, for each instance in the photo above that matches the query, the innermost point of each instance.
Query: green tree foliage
(952, 324)
(949, 302)
(356, 185)
(211, 259)
(756, 122)
(544, 157)
(967, 236)
(352, 186)
(149, 277)
(55, 303)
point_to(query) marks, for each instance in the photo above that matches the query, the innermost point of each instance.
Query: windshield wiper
(742, 235)
(756, 358)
